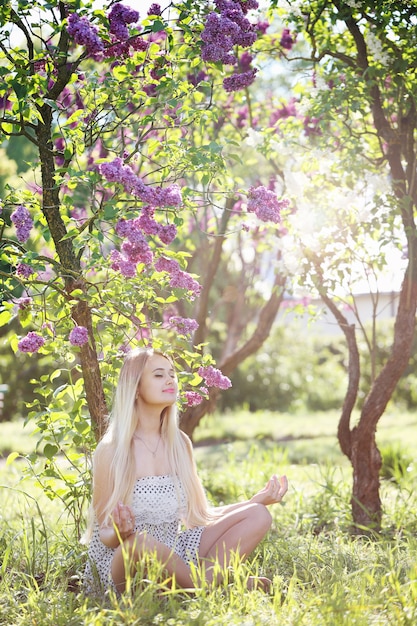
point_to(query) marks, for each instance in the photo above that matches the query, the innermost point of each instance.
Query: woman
(145, 483)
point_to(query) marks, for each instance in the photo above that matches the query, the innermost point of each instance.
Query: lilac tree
(356, 165)
(95, 237)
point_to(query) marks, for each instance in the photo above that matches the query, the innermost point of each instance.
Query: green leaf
(157, 26)
(54, 375)
(5, 317)
(50, 450)
(19, 88)
(12, 457)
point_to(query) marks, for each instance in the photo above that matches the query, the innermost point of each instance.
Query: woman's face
(158, 384)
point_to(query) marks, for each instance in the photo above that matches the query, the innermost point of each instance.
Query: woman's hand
(124, 520)
(273, 492)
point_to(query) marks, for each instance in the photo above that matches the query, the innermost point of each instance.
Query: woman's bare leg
(239, 531)
(133, 550)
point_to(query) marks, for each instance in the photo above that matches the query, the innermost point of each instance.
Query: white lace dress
(159, 504)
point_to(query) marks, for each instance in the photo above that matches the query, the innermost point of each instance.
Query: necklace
(153, 452)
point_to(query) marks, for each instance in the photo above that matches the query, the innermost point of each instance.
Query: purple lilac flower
(183, 280)
(239, 81)
(248, 5)
(287, 110)
(214, 378)
(84, 34)
(245, 61)
(31, 343)
(312, 126)
(122, 264)
(139, 44)
(193, 398)
(154, 9)
(287, 40)
(167, 233)
(119, 16)
(5, 103)
(262, 27)
(116, 171)
(24, 271)
(184, 325)
(23, 222)
(265, 204)
(226, 29)
(78, 336)
(24, 302)
(195, 79)
(178, 278)
(133, 251)
(138, 252)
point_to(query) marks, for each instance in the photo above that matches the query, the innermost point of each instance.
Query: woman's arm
(272, 493)
(122, 527)
(122, 522)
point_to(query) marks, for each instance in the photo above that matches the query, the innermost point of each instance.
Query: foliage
(357, 167)
(139, 127)
(120, 121)
(295, 370)
(322, 574)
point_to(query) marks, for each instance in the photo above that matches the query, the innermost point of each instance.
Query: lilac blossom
(264, 203)
(31, 343)
(184, 325)
(24, 271)
(312, 126)
(122, 264)
(262, 27)
(84, 34)
(245, 61)
(116, 171)
(214, 378)
(195, 79)
(133, 251)
(78, 336)
(138, 252)
(178, 278)
(225, 29)
(154, 9)
(167, 233)
(193, 398)
(287, 40)
(23, 222)
(24, 302)
(235, 82)
(287, 110)
(119, 16)
(150, 226)
(5, 103)
(248, 5)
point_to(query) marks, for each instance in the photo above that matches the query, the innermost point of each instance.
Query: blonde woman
(145, 484)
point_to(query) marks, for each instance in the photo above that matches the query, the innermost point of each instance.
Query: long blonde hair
(119, 435)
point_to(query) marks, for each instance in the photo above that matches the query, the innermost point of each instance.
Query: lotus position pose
(148, 498)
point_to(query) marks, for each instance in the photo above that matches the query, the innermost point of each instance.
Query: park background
(277, 243)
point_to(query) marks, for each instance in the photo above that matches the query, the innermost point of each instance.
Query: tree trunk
(71, 274)
(192, 416)
(359, 443)
(365, 457)
(366, 464)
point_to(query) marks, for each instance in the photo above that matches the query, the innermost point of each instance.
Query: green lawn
(322, 574)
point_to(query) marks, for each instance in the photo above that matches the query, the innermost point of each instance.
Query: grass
(322, 574)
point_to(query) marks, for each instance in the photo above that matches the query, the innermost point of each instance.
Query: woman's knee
(262, 517)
